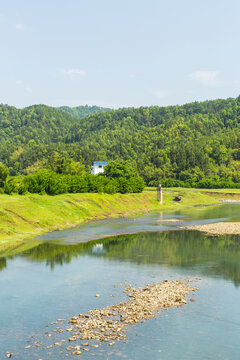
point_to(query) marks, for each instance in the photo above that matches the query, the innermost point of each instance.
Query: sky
(118, 53)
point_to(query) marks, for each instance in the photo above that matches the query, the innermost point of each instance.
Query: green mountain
(191, 141)
(82, 111)
(40, 123)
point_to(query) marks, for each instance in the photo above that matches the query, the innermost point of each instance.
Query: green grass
(25, 217)
(223, 191)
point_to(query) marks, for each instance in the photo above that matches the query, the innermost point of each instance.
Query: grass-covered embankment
(24, 217)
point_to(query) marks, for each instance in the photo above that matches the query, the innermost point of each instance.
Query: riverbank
(25, 217)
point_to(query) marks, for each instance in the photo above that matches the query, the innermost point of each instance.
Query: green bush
(42, 182)
(10, 187)
(136, 184)
(119, 169)
(22, 188)
(76, 184)
(112, 187)
(48, 182)
(3, 174)
(56, 185)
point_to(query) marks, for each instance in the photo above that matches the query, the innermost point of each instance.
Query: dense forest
(189, 143)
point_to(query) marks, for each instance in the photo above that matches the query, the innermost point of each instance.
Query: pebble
(76, 352)
(72, 339)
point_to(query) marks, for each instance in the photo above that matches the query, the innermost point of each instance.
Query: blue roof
(100, 163)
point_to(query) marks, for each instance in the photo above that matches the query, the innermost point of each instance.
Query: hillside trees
(158, 142)
(63, 165)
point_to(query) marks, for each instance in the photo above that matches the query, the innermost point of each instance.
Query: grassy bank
(24, 217)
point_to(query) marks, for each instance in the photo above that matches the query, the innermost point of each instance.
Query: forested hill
(82, 111)
(195, 140)
(38, 123)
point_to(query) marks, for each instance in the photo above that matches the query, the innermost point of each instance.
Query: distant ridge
(81, 111)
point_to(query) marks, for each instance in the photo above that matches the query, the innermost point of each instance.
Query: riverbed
(61, 275)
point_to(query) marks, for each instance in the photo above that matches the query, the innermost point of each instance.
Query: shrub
(135, 185)
(10, 187)
(119, 169)
(76, 184)
(22, 188)
(49, 182)
(43, 182)
(3, 174)
(112, 187)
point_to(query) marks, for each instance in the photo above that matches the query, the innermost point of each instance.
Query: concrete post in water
(160, 193)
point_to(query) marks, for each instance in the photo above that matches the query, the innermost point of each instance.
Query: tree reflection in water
(184, 249)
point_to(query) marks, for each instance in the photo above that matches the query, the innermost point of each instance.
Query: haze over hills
(82, 111)
(189, 141)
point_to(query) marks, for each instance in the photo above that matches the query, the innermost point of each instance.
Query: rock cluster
(217, 229)
(110, 323)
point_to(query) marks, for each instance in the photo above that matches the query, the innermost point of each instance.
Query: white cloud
(73, 72)
(208, 78)
(20, 26)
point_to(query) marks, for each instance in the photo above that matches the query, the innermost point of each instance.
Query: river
(60, 274)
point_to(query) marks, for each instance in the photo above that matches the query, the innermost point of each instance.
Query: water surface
(147, 222)
(59, 278)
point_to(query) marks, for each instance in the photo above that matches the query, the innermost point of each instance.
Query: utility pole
(160, 193)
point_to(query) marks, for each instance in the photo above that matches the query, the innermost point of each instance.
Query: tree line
(67, 176)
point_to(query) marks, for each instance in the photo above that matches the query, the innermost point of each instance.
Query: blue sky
(118, 53)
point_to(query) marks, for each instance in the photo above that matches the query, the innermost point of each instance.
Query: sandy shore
(216, 229)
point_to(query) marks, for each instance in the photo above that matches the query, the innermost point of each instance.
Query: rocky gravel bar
(110, 324)
(217, 229)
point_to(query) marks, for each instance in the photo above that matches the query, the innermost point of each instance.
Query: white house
(98, 167)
